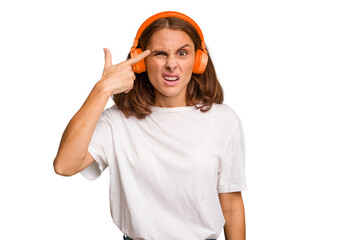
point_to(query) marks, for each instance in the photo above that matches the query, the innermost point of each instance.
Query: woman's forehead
(169, 38)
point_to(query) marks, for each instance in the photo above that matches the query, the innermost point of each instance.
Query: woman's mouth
(170, 80)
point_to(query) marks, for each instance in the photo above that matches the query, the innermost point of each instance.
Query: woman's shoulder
(111, 113)
(227, 113)
(224, 108)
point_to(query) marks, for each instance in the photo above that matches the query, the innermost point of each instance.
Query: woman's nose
(171, 63)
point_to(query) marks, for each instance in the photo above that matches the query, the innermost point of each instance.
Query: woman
(176, 154)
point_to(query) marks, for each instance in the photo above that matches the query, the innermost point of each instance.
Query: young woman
(175, 152)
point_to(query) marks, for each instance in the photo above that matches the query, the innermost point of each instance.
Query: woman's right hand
(120, 77)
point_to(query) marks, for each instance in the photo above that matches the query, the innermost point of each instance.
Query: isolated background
(290, 70)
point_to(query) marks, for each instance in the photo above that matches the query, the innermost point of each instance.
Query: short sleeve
(100, 148)
(232, 174)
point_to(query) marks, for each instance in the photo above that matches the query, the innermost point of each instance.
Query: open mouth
(170, 80)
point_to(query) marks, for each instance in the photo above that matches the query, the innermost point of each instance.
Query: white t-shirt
(167, 169)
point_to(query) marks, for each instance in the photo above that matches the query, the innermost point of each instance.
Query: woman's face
(172, 55)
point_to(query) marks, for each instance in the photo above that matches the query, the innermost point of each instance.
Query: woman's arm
(73, 149)
(233, 210)
(73, 155)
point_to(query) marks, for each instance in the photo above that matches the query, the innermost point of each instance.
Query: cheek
(189, 65)
(153, 66)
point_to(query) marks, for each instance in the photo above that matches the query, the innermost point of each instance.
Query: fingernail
(104, 50)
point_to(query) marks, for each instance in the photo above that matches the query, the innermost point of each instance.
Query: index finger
(139, 57)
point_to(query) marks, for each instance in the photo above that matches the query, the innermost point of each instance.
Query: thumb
(108, 60)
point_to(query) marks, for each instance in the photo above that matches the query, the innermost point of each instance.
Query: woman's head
(172, 55)
(173, 43)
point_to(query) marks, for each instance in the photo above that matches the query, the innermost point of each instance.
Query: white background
(290, 70)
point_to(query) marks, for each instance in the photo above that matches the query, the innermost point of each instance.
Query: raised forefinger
(138, 58)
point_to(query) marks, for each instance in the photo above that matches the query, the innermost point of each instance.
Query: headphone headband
(165, 15)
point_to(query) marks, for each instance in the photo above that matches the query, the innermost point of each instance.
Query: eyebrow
(186, 45)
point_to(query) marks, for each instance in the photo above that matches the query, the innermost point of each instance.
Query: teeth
(170, 78)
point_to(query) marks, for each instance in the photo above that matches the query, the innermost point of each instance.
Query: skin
(234, 213)
(168, 56)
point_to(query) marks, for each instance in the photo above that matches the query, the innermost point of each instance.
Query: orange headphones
(201, 56)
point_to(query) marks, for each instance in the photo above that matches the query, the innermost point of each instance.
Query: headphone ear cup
(140, 66)
(201, 59)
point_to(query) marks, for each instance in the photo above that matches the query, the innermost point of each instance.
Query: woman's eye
(183, 53)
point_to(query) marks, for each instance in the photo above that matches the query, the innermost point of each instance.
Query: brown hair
(203, 88)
